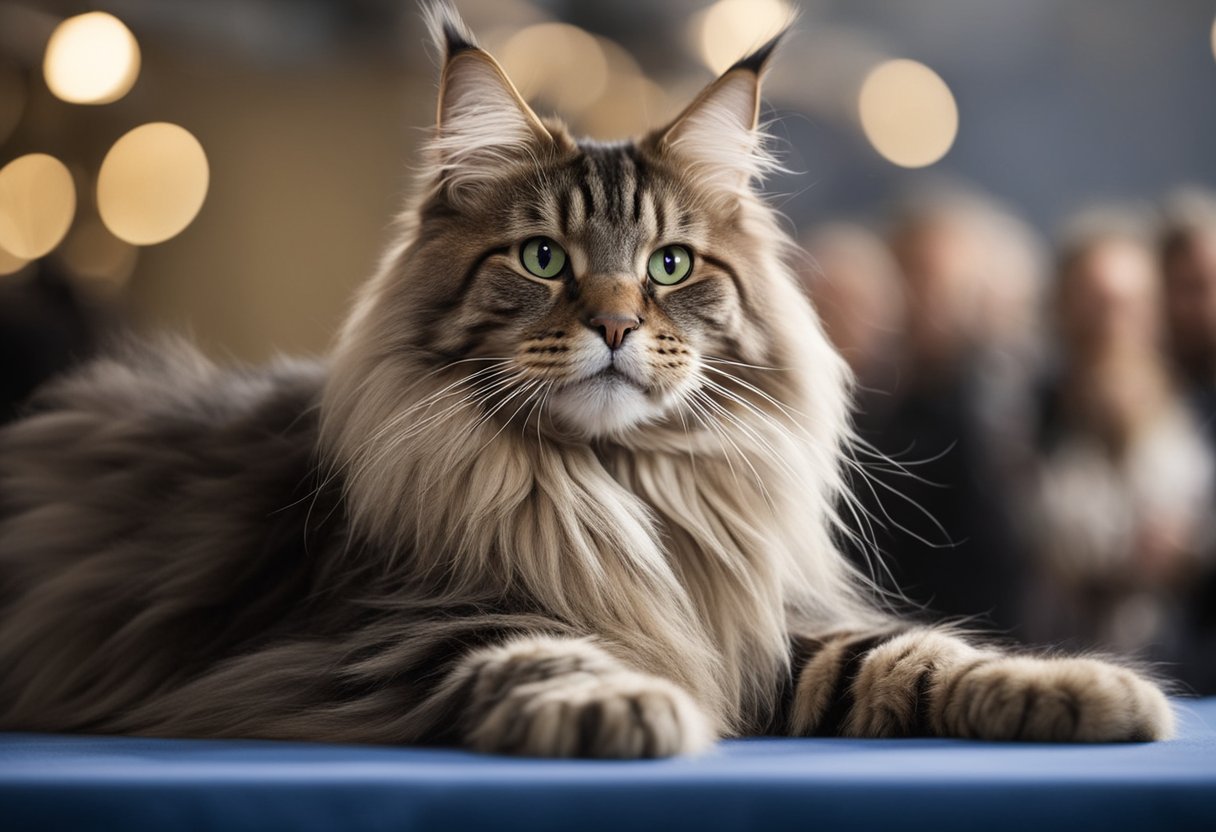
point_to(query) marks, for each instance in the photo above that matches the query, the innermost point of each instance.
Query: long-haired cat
(565, 487)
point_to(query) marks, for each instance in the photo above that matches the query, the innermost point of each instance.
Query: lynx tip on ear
(449, 34)
(758, 60)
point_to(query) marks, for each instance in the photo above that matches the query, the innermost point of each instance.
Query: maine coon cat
(566, 486)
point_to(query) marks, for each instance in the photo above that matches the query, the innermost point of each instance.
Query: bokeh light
(628, 108)
(91, 59)
(93, 253)
(558, 64)
(908, 113)
(152, 183)
(630, 104)
(37, 203)
(729, 29)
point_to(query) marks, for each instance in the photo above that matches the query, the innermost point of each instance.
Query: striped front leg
(921, 681)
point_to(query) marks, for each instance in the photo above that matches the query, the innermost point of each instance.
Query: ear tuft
(718, 138)
(449, 34)
(482, 125)
(757, 62)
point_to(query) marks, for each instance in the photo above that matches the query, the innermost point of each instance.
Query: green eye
(543, 257)
(669, 265)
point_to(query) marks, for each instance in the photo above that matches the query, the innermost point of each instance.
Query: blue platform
(78, 783)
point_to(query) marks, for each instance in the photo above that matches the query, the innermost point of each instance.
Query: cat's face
(601, 279)
(589, 282)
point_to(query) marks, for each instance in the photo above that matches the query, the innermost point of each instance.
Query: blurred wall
(307, 171)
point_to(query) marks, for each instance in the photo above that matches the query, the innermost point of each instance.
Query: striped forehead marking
(610, 184)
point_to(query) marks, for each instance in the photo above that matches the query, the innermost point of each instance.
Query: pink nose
(615, 327)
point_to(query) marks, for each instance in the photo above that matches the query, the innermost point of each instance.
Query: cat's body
(565, 498)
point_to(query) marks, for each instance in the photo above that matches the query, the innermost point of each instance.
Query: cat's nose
(614, 327)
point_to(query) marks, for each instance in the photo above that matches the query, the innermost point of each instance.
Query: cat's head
(593, 286)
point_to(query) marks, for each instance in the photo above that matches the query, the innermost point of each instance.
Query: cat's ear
(481, 122)
(718, 137)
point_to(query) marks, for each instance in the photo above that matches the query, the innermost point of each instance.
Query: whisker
(715, 359)
(540, 413)
(871, 481)
(527, 389)
(697, 411)
(476, 398)
(861, 531)
(747, 461)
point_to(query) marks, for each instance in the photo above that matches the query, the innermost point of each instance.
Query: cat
(566, 486)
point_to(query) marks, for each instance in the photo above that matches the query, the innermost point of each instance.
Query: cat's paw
(1051, 700)
(545, 697)
(622, 715)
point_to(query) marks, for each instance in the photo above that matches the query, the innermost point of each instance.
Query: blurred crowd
(1036, 428)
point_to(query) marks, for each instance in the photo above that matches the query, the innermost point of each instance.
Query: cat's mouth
(607, 393)
(607, 400)
(612, 374)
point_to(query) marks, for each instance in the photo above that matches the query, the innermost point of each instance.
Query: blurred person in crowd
(975, 277)
(855, 285)
(938, 328)
(1126, 482)
(857, 289)
(1188, 263)
(962, 406)
(957, 425)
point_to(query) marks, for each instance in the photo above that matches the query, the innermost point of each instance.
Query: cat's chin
(607, 404)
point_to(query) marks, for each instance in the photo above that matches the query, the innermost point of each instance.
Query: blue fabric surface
(59, 782)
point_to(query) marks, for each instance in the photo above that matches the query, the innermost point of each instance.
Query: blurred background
(1004, 202)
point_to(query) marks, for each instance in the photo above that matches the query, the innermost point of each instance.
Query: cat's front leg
(564, 697)
(927, 682)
